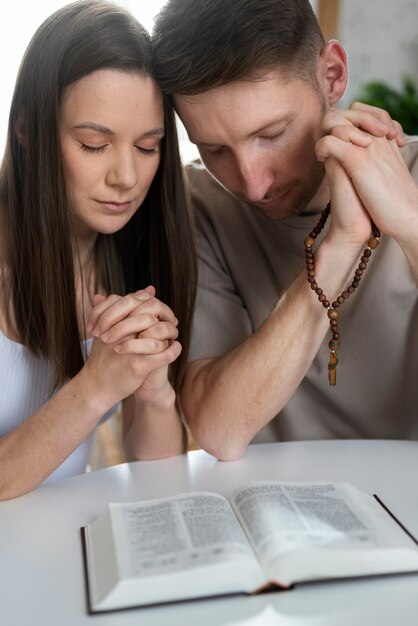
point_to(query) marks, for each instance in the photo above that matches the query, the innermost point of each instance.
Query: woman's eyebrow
(104, 130)
(97, 127)
(153, 132)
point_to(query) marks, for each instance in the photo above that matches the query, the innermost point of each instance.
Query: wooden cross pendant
(332, 368)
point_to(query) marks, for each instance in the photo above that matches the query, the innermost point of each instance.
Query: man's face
(257, 139)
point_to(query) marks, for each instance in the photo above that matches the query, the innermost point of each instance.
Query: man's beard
(301, 193)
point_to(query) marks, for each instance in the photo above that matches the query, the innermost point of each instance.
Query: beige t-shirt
(246, 261)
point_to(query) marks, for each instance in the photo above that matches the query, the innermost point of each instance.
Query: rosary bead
(332, 314)
(332, 311)
(373, 243)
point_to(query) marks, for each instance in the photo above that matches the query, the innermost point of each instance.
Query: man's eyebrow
(280, 122)
(104, 130)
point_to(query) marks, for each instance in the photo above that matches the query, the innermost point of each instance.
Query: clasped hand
(367, 175)
(134, 342)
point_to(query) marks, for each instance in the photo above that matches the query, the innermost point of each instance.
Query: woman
(92, 203)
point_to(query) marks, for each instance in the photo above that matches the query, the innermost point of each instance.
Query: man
(255, 85)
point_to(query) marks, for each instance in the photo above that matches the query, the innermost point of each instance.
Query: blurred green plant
(402, 104)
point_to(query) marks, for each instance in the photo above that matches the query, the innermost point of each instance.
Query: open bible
(266, 534)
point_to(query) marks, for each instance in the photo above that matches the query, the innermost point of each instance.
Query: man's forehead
(243, 106)
(256, 82)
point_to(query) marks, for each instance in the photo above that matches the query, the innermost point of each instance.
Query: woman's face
(111, 126)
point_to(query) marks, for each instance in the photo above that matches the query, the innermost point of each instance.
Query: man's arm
(227, 400)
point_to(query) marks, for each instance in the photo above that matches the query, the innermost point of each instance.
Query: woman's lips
(117, 207)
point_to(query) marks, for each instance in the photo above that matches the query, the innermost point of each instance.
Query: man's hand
(378, 174)
(361, 122)
(350, 221)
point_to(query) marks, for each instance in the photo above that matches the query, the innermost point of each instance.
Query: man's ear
(20, 127)
(333, 71)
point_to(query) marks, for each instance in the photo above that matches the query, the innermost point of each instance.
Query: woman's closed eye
(149, 151)
(97, 149)
(93, 149)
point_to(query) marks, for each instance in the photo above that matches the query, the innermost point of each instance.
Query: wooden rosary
(332, 309)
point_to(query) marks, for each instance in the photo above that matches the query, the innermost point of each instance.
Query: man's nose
(257, 178)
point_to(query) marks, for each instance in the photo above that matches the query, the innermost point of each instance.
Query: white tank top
(26, 382)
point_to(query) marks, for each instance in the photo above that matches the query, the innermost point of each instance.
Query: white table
(41, 571)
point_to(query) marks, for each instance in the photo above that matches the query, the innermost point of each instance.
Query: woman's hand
(140, 327)
(139, 324)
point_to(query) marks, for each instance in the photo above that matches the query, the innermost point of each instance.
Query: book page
(333, 529)
(178, 532)
(161, 543)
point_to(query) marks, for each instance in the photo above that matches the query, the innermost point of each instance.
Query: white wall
(381, 40)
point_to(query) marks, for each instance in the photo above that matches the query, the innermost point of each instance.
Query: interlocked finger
(352, 134)
(142, 346)
(370, 119)
(129, 326)
(161, 330)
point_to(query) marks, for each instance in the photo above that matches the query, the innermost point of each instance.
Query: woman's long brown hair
(155, 247)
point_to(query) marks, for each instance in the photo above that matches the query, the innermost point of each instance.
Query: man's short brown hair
(201, 44)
